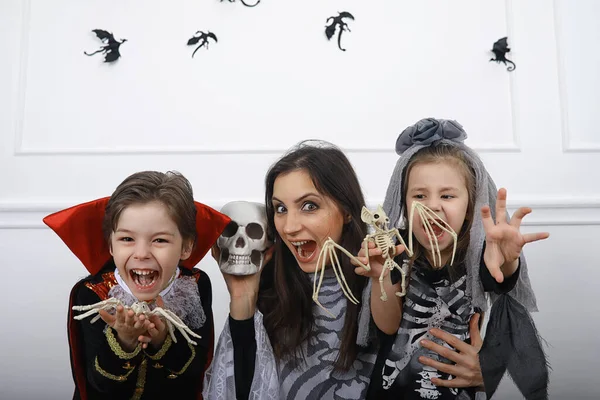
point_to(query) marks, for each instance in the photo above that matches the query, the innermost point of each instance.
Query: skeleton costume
(244, 356)
(436, 300)
(101, 368)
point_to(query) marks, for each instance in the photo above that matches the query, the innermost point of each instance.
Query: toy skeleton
(139, 308)
(384, 239)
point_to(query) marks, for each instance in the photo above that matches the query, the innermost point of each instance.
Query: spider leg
(94, 308)
(175, 320)
(180, 324)
(96, 318)
(171, 331)
(99, 305)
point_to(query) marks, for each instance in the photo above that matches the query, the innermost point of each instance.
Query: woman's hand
(243, 289)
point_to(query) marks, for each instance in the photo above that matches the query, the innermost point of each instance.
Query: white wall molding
(20, 149)
(196, 150)
(569, 146)
(22, 88)
(546, 211)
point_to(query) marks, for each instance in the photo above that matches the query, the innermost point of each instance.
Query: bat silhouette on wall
(338, 22)
(202, 39)
(110, 48)
(500, 49)
(244, 3)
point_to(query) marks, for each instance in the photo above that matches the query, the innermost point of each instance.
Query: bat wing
(102, 34)
(330, 30)
(112, 55)
(501, 45)
(212, 35)
(346, 14)
(193, 40)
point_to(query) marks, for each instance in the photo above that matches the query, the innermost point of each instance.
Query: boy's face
(147, 247)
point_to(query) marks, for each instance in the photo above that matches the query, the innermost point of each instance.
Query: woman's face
(304, 218)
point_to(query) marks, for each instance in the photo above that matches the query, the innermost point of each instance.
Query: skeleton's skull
(244, 240)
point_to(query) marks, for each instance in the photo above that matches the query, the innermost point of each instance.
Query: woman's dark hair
(285, 298)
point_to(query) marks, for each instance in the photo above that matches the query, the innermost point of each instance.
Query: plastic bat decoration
(110, 48)
(500, 49)
(338, 22)
(202, 39)
(244, 3)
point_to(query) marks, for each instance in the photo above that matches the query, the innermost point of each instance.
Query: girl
(277, 342)
(151, 225)
(439, 171)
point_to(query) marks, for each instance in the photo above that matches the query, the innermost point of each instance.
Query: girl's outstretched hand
(504, 240)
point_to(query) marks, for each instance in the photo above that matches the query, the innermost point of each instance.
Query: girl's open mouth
(437, 231)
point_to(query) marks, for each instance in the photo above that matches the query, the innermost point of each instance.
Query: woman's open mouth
(305, 250)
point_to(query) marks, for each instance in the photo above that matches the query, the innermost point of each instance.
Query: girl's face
(147, 247)
(442, 187)
(304, 218)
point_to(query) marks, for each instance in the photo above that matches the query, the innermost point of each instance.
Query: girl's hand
(386, 314)
(504, 241)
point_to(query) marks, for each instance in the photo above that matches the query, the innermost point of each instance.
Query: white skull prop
(244, 240)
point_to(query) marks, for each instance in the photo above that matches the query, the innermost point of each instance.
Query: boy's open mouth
(305, 249)
(144, 278)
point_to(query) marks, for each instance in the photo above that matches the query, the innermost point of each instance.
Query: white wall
(72, 128)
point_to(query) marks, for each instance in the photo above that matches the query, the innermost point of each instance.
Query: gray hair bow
(429, 130)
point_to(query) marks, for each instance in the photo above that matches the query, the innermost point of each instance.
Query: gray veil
(511, 340)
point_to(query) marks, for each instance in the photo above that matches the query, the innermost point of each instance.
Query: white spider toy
(139, 308)
(383, 237)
